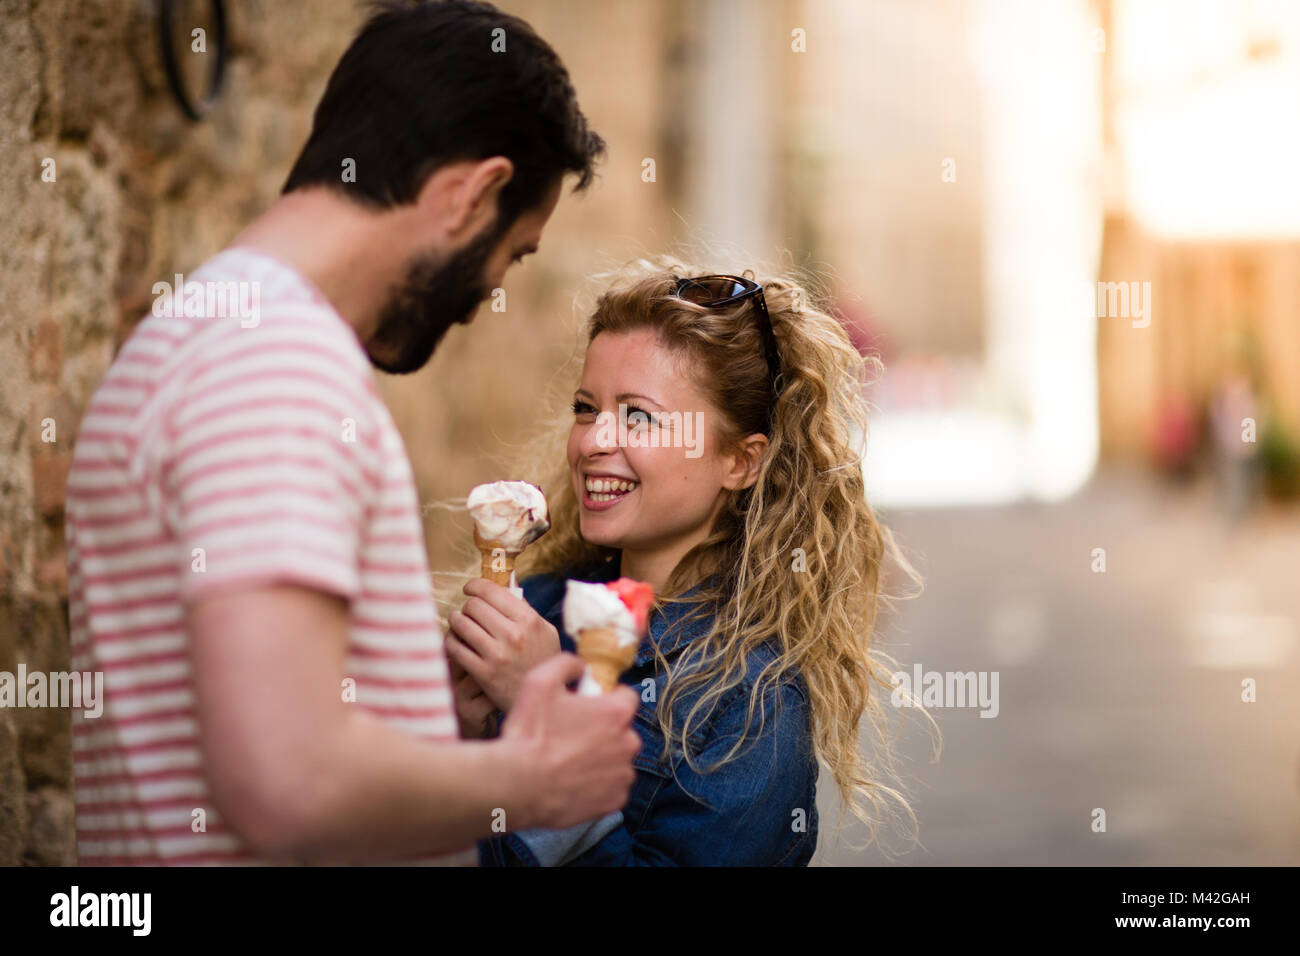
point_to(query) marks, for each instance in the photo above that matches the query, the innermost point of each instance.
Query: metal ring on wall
(195, 111)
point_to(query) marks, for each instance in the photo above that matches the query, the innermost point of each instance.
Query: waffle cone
(492, 553)
(606, 660)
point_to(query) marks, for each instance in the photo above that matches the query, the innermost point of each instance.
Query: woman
(713, 452)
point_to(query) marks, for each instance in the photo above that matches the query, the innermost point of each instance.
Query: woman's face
(657, 480)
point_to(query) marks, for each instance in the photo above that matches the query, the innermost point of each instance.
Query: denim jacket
(757, 809)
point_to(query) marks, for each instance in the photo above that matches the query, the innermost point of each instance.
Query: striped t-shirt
(239, 442)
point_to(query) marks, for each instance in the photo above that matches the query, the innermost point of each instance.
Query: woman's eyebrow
(626, 395)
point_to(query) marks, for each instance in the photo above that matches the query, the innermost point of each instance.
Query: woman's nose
(599, 438)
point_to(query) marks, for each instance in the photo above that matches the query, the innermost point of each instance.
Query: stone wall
(139, 193)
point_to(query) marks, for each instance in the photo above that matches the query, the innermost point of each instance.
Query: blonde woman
(714, 452)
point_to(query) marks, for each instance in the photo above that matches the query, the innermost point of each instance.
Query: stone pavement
(1119, 690)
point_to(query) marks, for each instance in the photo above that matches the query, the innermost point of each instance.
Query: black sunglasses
(722, 290)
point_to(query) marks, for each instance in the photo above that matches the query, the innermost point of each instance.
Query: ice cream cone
(496, 563)
(606, 658)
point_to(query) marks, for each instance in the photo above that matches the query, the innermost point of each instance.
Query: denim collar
(667, 631)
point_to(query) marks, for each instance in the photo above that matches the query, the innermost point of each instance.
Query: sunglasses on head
(723, 290)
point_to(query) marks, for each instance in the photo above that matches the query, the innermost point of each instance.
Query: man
(246, 559)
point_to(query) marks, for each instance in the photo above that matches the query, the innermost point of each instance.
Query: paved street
(1118, 690)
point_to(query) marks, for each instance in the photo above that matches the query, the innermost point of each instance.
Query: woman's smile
(602, 491)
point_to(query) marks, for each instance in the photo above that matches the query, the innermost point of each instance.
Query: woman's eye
(639, 418)
(582, 408)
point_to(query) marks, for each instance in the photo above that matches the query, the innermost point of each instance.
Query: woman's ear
(744, 462)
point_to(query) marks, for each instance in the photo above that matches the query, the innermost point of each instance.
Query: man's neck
(333, 243)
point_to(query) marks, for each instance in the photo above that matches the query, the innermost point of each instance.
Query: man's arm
(299, 773)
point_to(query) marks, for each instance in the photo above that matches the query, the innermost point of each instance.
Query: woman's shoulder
(762, 660)
(762, 663)
(760, 705)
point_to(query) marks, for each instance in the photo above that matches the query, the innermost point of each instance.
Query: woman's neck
(653, 567)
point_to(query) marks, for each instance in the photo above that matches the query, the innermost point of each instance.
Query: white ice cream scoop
(510, 514)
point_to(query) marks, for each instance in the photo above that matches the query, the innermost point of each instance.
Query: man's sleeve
(273, 460)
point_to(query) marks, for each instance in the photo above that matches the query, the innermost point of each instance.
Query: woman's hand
(474, 709)
(496, 638)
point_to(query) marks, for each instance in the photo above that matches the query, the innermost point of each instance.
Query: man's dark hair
(421, 86)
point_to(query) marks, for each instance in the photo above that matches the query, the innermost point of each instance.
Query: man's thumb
(563, 669)
(550, 675)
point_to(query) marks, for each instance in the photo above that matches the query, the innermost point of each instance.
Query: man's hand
(497, 638)
(575, 752)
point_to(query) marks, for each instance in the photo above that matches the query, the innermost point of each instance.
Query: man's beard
(435, 295)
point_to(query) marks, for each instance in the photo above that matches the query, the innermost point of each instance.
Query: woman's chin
(602, 537)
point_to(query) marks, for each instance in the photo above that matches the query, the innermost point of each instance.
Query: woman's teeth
(607, 489)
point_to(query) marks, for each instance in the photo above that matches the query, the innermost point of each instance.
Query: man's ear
(744, 462)
(463, 195)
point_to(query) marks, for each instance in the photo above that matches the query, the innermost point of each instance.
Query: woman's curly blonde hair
(796, 559)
